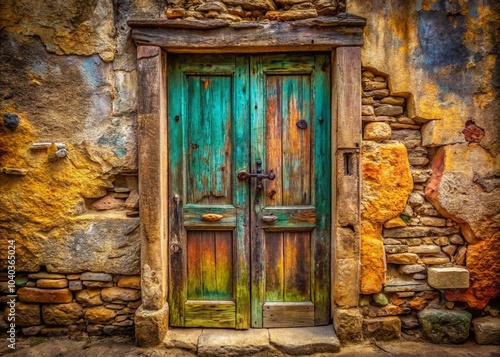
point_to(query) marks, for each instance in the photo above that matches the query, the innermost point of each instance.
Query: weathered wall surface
(68, 76)
(430, 158)
(442, 57)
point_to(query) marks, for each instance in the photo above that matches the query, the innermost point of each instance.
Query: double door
(249, 190)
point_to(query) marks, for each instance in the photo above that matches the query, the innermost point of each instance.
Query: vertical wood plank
(194, 275)
(273, 140)
(197, 136)
(224, 265)
(240, 157)
(321, 244)
(257, 117)
(208, 265)
(210, 122)
(297, 266)
(274, 266)
(296, 142)
(347, 94)
(176, 190)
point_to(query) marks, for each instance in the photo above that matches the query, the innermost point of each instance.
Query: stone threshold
(298, 341)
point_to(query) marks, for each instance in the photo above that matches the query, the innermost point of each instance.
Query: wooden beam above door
(319, 34)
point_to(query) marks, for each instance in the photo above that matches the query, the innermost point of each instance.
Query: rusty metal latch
(243, 175)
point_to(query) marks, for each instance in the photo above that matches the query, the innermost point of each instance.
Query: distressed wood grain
(210, 314)
(279, 314)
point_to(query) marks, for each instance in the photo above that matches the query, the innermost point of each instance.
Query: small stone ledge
(305, 341)
(448, 277)
(299, 341)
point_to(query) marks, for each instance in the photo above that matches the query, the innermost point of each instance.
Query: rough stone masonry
(430, 158)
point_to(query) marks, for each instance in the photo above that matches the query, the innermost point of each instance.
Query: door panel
(208, 233)
(290, 121)
(231, 113)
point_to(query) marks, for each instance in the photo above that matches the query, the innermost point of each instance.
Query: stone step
(300, 341)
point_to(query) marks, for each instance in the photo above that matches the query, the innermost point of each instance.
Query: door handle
(243, 175)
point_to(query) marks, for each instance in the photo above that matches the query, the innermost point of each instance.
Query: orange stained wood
(210, 265)
(288, 148)
(288, 266)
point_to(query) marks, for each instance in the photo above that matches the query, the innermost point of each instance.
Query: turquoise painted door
(249, 251)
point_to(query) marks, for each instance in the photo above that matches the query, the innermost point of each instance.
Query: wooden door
(228, 114)
(290, 118)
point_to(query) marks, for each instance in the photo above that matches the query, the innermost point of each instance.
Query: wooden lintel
(215, 35)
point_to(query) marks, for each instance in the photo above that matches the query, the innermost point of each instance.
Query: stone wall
(256, 10)
(418, 254)
(78, 305)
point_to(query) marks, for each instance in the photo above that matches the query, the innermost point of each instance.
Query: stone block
(445, 326)
(433, 221)
(186, 339)
(487, 330)
(50, 296)
(97, 284)
(402, 258)
(52, 283)
(32, 330)
(348, 324)
(425, 249)
(389, 110)
(119, 253)
(380, 299)
(96, 276)
(345, 272)
(100, 315)
(448, 277)
(305, 341)
(347, 244)
(133, 282)
(409, 321)
(435, 260)
(418, 232)
(75, 285)
(373, 85)
(151, 326)
(234, 342)
(120, 294)
(62, 314)
(45, 275)
(89, 297)
(411, 269)
(400, 285)
(367, 110)
(26, 314)
(393, 101)
(377, 131)
(377, 94)
(382, 328)
(392, 249)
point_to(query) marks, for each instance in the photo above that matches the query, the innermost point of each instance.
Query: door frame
(343, 38)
